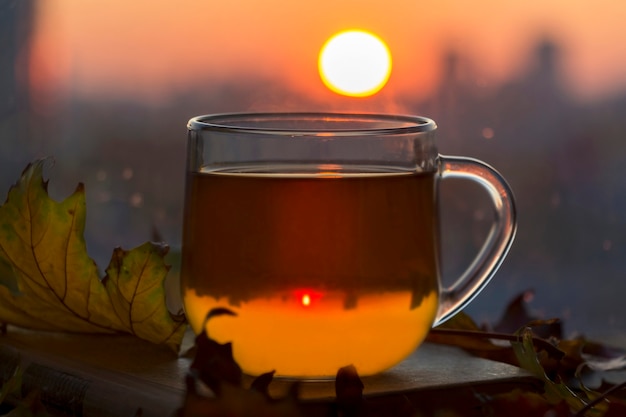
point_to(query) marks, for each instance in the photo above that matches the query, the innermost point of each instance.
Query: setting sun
(355, 63)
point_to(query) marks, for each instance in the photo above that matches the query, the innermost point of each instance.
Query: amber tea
(320, 232)
(322, 270)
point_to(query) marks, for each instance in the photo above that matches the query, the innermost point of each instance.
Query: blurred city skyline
(152, 52)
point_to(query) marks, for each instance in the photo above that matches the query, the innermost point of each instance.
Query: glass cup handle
(455, 297)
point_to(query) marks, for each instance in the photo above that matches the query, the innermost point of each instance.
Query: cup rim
(269, 123)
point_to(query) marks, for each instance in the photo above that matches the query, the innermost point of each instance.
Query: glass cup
(321, 233)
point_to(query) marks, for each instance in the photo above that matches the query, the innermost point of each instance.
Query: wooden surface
(115, 375)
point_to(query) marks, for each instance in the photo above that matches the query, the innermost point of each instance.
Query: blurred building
(16, 24)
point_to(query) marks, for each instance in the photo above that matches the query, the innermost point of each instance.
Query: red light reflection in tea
(307, 297)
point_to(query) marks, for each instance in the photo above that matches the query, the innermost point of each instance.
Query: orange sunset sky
(150, 49)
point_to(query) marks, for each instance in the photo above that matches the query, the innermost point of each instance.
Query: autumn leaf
(555, 392)
(48, 281)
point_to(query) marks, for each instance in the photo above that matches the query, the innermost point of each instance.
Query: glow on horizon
(154, 49)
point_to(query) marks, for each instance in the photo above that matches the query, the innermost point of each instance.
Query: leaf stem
(601, 398)
(479, 334)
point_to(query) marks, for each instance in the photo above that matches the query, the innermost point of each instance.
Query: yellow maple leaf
(48, 281)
